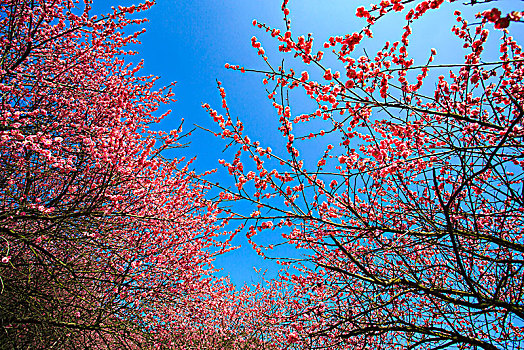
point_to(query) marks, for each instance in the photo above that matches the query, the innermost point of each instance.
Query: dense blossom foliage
(104, 242)
(411, 221)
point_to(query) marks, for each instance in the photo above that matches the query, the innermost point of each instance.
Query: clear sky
(189, 41)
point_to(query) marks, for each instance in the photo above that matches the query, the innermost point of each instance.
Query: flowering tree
(411, 220)
(104, 242)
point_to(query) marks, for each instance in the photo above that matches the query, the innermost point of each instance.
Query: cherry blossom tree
(410, 222)
(105, 242)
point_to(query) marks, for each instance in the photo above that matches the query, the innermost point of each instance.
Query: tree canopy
(406, 232)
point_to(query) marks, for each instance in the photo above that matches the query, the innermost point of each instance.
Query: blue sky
(190, 41)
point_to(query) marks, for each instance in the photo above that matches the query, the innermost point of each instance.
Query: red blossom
(492, 15)
(502, 23)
